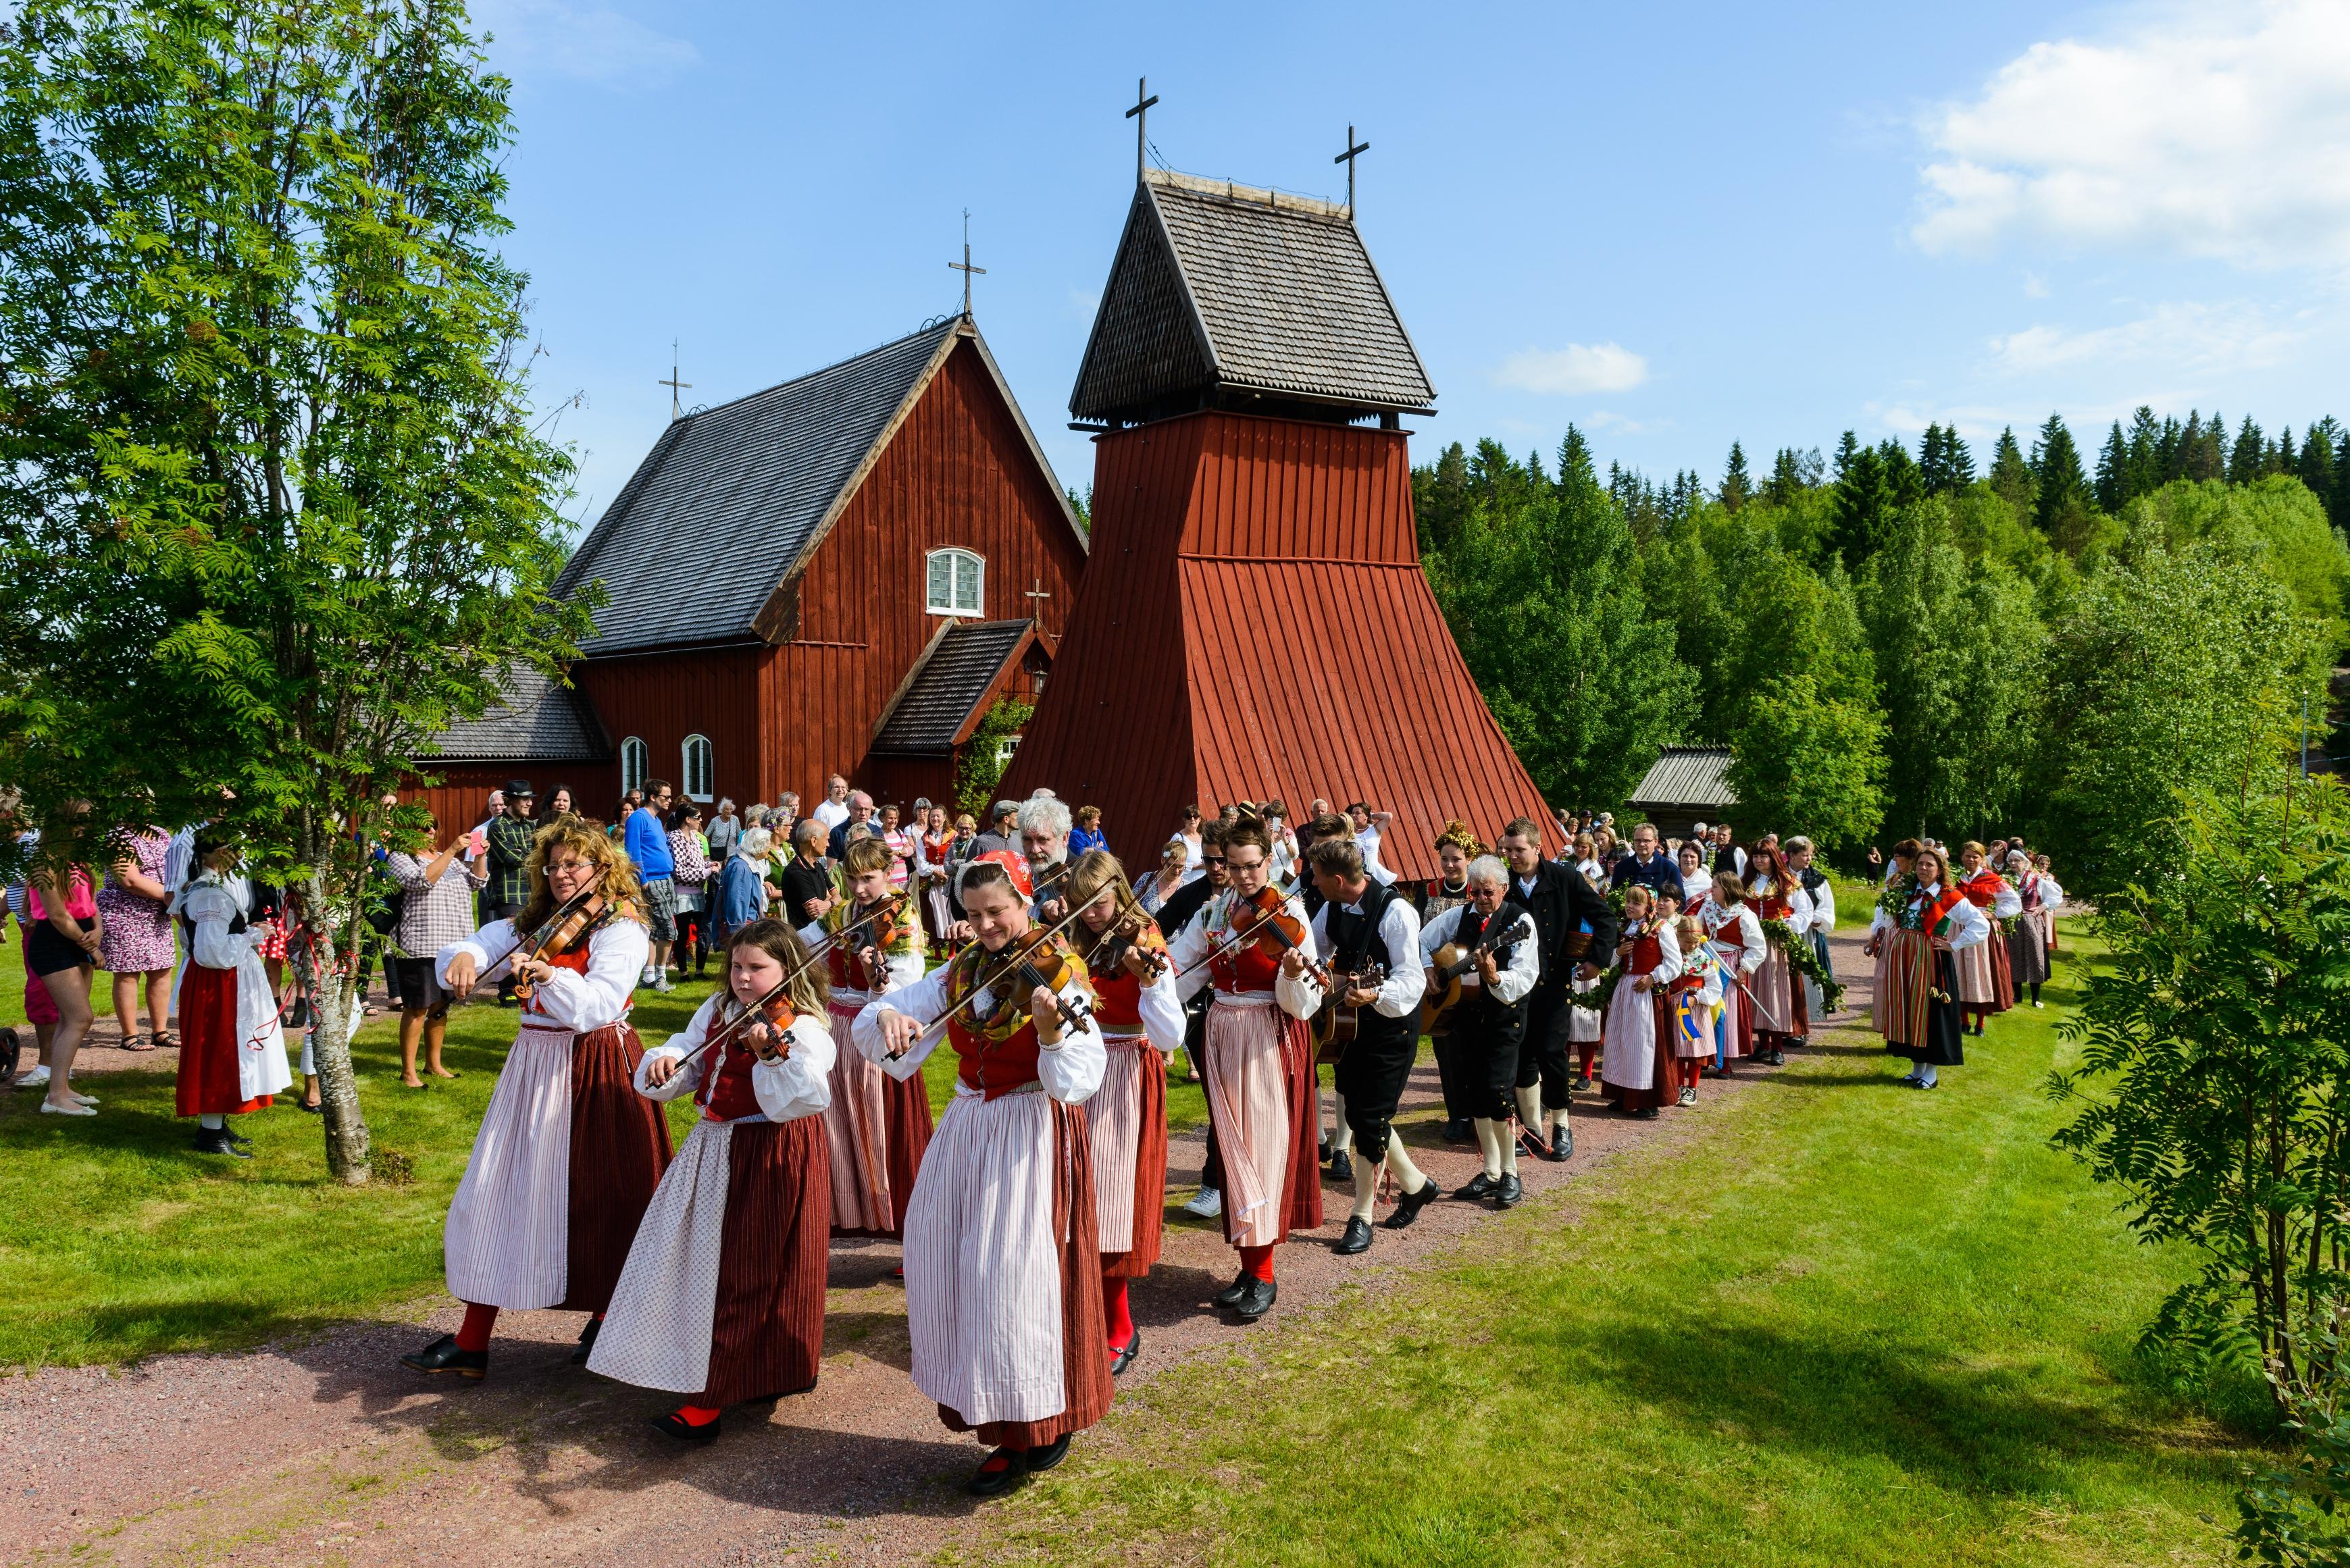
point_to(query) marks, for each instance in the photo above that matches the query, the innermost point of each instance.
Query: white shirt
(800, 1084)
(1208, 931)
(583, 1003)
(1367, 841)
(831, 813)
(1968, 924)
(1824, 913)
(1734, 934)
(1406, 981)
(1070, 1072)
(1518, 976)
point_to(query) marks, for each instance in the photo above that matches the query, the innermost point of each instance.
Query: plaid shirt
(509, 844)
(436, 913)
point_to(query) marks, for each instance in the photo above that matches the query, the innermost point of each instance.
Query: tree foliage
(271, 474)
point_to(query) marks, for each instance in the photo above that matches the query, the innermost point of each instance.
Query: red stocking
(1117, 1317)
(473, 1333)
(1258, 1262)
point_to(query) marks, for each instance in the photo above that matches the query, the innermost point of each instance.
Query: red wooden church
(841, 574)
(1255, 623)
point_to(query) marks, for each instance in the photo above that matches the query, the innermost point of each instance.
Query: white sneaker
(661, 982)
(1207, 1204)
(38, 1078)
(51, 1109)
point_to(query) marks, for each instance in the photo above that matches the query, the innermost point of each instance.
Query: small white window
(1004, 750)
(957, 583)
(697, 767)
(632, 764)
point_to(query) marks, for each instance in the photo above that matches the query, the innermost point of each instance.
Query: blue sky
(1673, 225)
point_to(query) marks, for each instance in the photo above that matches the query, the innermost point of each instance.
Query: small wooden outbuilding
(1689, 785)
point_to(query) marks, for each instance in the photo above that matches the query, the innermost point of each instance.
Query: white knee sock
(1530, 1111)
(1366, 1184)
(1509, 1154)
(210, 1124)
(1489, 1138)
(1342, 1137)
(1407, 1175)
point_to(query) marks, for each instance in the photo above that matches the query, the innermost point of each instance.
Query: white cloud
(1600, 367)
(1618, 424)
(586, 43)
(2035, 286)
(2219, 132)
(2195, 339)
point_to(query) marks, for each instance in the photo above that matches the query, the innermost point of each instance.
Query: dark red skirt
(2003, 972)
(1085, 1384)
(619, 1147)
(209, 1083)
(1664, 1069)
(909, 1134)
(1149, 1174)
(1305, 1211)
(767, 1333)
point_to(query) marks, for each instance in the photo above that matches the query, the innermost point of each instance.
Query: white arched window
(633, 758)
(696, 767)
(956, 582)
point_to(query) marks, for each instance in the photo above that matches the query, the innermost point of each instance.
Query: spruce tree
(2319, 450)
(2148, 452)
(1864, 502)
(2011, 476)
(2281, 458)
(2059, 487)
(1440, 498)
(2250, 453)
(1736, 486)
(2207, 456)
(1905, 485)
(1959, 459)
(2112, 470)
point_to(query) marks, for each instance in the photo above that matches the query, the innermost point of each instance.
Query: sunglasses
(1212, 860)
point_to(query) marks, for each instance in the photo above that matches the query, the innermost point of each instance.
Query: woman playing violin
(1251, 944)
(754, 1173)
(1003, 1281)
(878, 1126)
(568, 1154)
(1142, 1022)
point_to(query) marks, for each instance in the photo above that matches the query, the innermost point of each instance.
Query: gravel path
(327, 1451)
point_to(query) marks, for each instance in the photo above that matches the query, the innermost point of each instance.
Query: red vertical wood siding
(1254, 624)
(957, 473)
(461, 798)
(660, 699)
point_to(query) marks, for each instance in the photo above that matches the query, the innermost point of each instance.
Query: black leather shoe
(1459, 1132)
(1510, 1194)
(586, 1341)
(1049, 1454)
(218, 1141)
(1342, 1166)
(1582, 1081)
(1479, 1186)
(1531, 1142)
(1409, 1204)
(998, 1473)
(1125, 1355)
(1562, 1145)
(235, 1137)
(1358, 1238)
(443, 1356)
(1646, 1114)
(1325, 1151)
(1256, 1301)
(675, 1426)
(1232, 1294)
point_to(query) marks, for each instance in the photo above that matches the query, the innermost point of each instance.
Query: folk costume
(1781, 1016)
(1735, 939)
(1986, 984)
(1126, 1131)
(1378, 936)
(1640, 1073)
(2028, 943)
(232, 1046)
(723, 1295)
(1457, 1081)
(1821, 892)
(1261, 1085)
(568, 1154)
(1696, 1012)
(877, 1124)
(1487, 1030)
(1917, 1006)
(1573, 921)
(1002, 1270)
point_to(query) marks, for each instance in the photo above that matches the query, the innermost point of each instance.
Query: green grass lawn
(1847, 1324)
(118, 1241)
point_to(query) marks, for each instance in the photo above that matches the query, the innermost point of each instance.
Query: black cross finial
(964, 266)
(1140, 114)
(1353, 150)
(676, 409)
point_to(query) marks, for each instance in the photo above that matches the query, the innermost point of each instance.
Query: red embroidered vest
(1775, 906)
(1980, 889)
(725, 1093)
(1118, 999)
(1249, 968)
(993, 1067)
(1647, 952)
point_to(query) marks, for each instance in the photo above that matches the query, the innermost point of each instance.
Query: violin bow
(1243, 938)
(979, 985)
(555, 917)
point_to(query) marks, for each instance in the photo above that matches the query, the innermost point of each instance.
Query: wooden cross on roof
(676, 407)
(1140, 114)
(1353, 150)
(964, 266)
(1038, 592)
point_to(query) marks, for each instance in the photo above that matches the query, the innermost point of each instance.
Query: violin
(1121, 938)
(1275, 931)
(1024, 963)
(572, 920)
(775, 1010)
(879, 923)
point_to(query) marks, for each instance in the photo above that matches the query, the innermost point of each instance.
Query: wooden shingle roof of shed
(1224, 286)
(539, 720)
(946, 693)
(1688, 776)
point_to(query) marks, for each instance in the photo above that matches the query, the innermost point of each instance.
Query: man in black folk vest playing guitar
(1368, 937)
(1578, 926)
(1495, 962)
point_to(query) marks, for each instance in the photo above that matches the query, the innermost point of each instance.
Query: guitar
(1335, 1026)
(1453, 961)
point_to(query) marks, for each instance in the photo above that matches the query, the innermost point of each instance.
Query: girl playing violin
(1126, 1121)
(1003, 1280)
(568, 1154)
(744, 1319)
(878, 1126)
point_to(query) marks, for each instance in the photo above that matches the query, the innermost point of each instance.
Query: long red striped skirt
(766, 1334)
(619, 1147)
(1149, 1154)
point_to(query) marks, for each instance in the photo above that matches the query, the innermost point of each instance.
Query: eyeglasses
(1212, 860)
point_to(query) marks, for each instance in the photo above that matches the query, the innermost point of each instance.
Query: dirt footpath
(329, 1452)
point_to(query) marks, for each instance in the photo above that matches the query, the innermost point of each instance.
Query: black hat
(520, 787)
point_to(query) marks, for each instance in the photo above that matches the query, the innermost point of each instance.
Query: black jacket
(1562, 903)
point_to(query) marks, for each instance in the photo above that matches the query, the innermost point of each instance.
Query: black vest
(1479, 999)
(1353, 939)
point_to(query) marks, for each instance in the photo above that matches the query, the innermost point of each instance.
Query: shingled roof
(1220, 286)
(731, 500)
(944, 696)
(1688, 776)
(539, 720)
